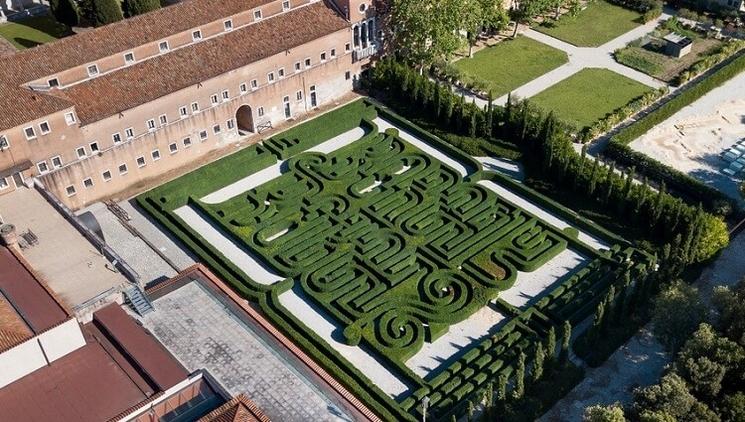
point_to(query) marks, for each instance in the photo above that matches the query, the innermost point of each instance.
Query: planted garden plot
(382, 248)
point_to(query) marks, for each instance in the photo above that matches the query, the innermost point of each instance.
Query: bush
(104, 12)
(65, 11)
(138, 7)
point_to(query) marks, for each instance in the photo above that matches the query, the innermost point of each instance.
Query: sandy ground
(641, 361)
(541, 213)
(693, 139)
(301, 307)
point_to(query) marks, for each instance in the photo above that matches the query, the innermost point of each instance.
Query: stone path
(512, 169)
(202, 333)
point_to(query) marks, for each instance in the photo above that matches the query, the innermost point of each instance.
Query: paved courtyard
(203, 333)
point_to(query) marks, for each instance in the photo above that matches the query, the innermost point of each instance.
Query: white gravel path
(529, 287)
(384, 125)
(301, 307)
(481, 323)
(507, 167)
(541, 213)
(241, 257)
(269, 173)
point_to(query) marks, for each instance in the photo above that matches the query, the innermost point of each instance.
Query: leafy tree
(704, 375)
(730, 305)
(65, 11)
(598, 413)
(677, 313)
(670, 396)
(103, 12)
(493, 15)
(732, 407)
(714, 237)
(523, 12)
(138, 7)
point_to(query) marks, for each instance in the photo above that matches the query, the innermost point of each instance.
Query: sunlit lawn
(33, 31)
(599, 23)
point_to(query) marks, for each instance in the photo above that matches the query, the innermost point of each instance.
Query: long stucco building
(95, 113)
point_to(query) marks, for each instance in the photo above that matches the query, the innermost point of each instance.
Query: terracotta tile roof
(13, 330)
(148, 80)
(184, 66)
(238, 409)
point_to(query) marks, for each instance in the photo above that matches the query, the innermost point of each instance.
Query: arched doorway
(245, 119)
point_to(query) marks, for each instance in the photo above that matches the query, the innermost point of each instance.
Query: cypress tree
(538, 362)
(65, 11)
(471, 410)
(610, 298)
(657, 207)
(138, 7)
(519, 389)
(489, 124)
(105, 12)
(597, 321)
(566, 339)
(453, 418)
(593, 183)
(472, 125)
(437, 101)
(508, 109)
(502, 387)
(551, 344)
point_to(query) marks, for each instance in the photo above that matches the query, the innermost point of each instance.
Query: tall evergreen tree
(551, 344)
(105, 12)
(138, 7)
(593, 182)
(538, 362)
(566, 339)
(470, 410)
(489, 124)
(502, 387)
(519, 390)
(65, 11)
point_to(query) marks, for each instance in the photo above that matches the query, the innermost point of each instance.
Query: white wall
(62, 340)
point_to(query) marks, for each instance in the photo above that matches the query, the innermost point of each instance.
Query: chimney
(8, 235)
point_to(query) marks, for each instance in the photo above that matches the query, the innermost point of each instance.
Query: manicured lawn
(594, 26)
(589, 95)
(33, 31)
(512, 63)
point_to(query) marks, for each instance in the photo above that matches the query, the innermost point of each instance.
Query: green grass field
(594, 26)
(587, 96)
(33, 31)
(511, 63)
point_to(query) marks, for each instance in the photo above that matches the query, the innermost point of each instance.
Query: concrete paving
(202, 334)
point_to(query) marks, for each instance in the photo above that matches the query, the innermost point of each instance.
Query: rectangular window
(214, 99)
(230, 124)
(29, 132)
(333, 53)
(260, 111)
(80, 152)
(70, 118)
(151, 125)
(129, 58)
(88, 183)
(196, 35)
(173, 148)
(163, 119)
(94, 147)
(225, 95)
(254, 84)
(323, 56)
(163, 46)
(228, 25)
(4, 142)
(129, 132)
(187, 142)
(281, 72)
(243, 88)
(44, 128)
(140, 161)
(70, 190)
(123, 169)
(195, 107)
(307, 62)
(92, 70)
(203, 135)
(347, 75)
(3, 183)
(155, 154)
(117, 138)
(347, 47)
(286, 5)
(106, 176)
(270, 77)
(299, 95)
(297, 67)
(57, 162)
(257, 15)
(183, 111)
(42, 166)
(53, 83)
(216, 129)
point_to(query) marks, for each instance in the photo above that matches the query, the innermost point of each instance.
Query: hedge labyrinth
(396, 247)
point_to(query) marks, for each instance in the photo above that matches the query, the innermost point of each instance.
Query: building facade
(93, 114)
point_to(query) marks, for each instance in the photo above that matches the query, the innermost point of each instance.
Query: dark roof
(238, 409)
(156, 76)
(27, 295)
(140, 347)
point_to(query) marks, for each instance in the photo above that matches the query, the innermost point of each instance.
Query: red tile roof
(238, 409)
(158, 76)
